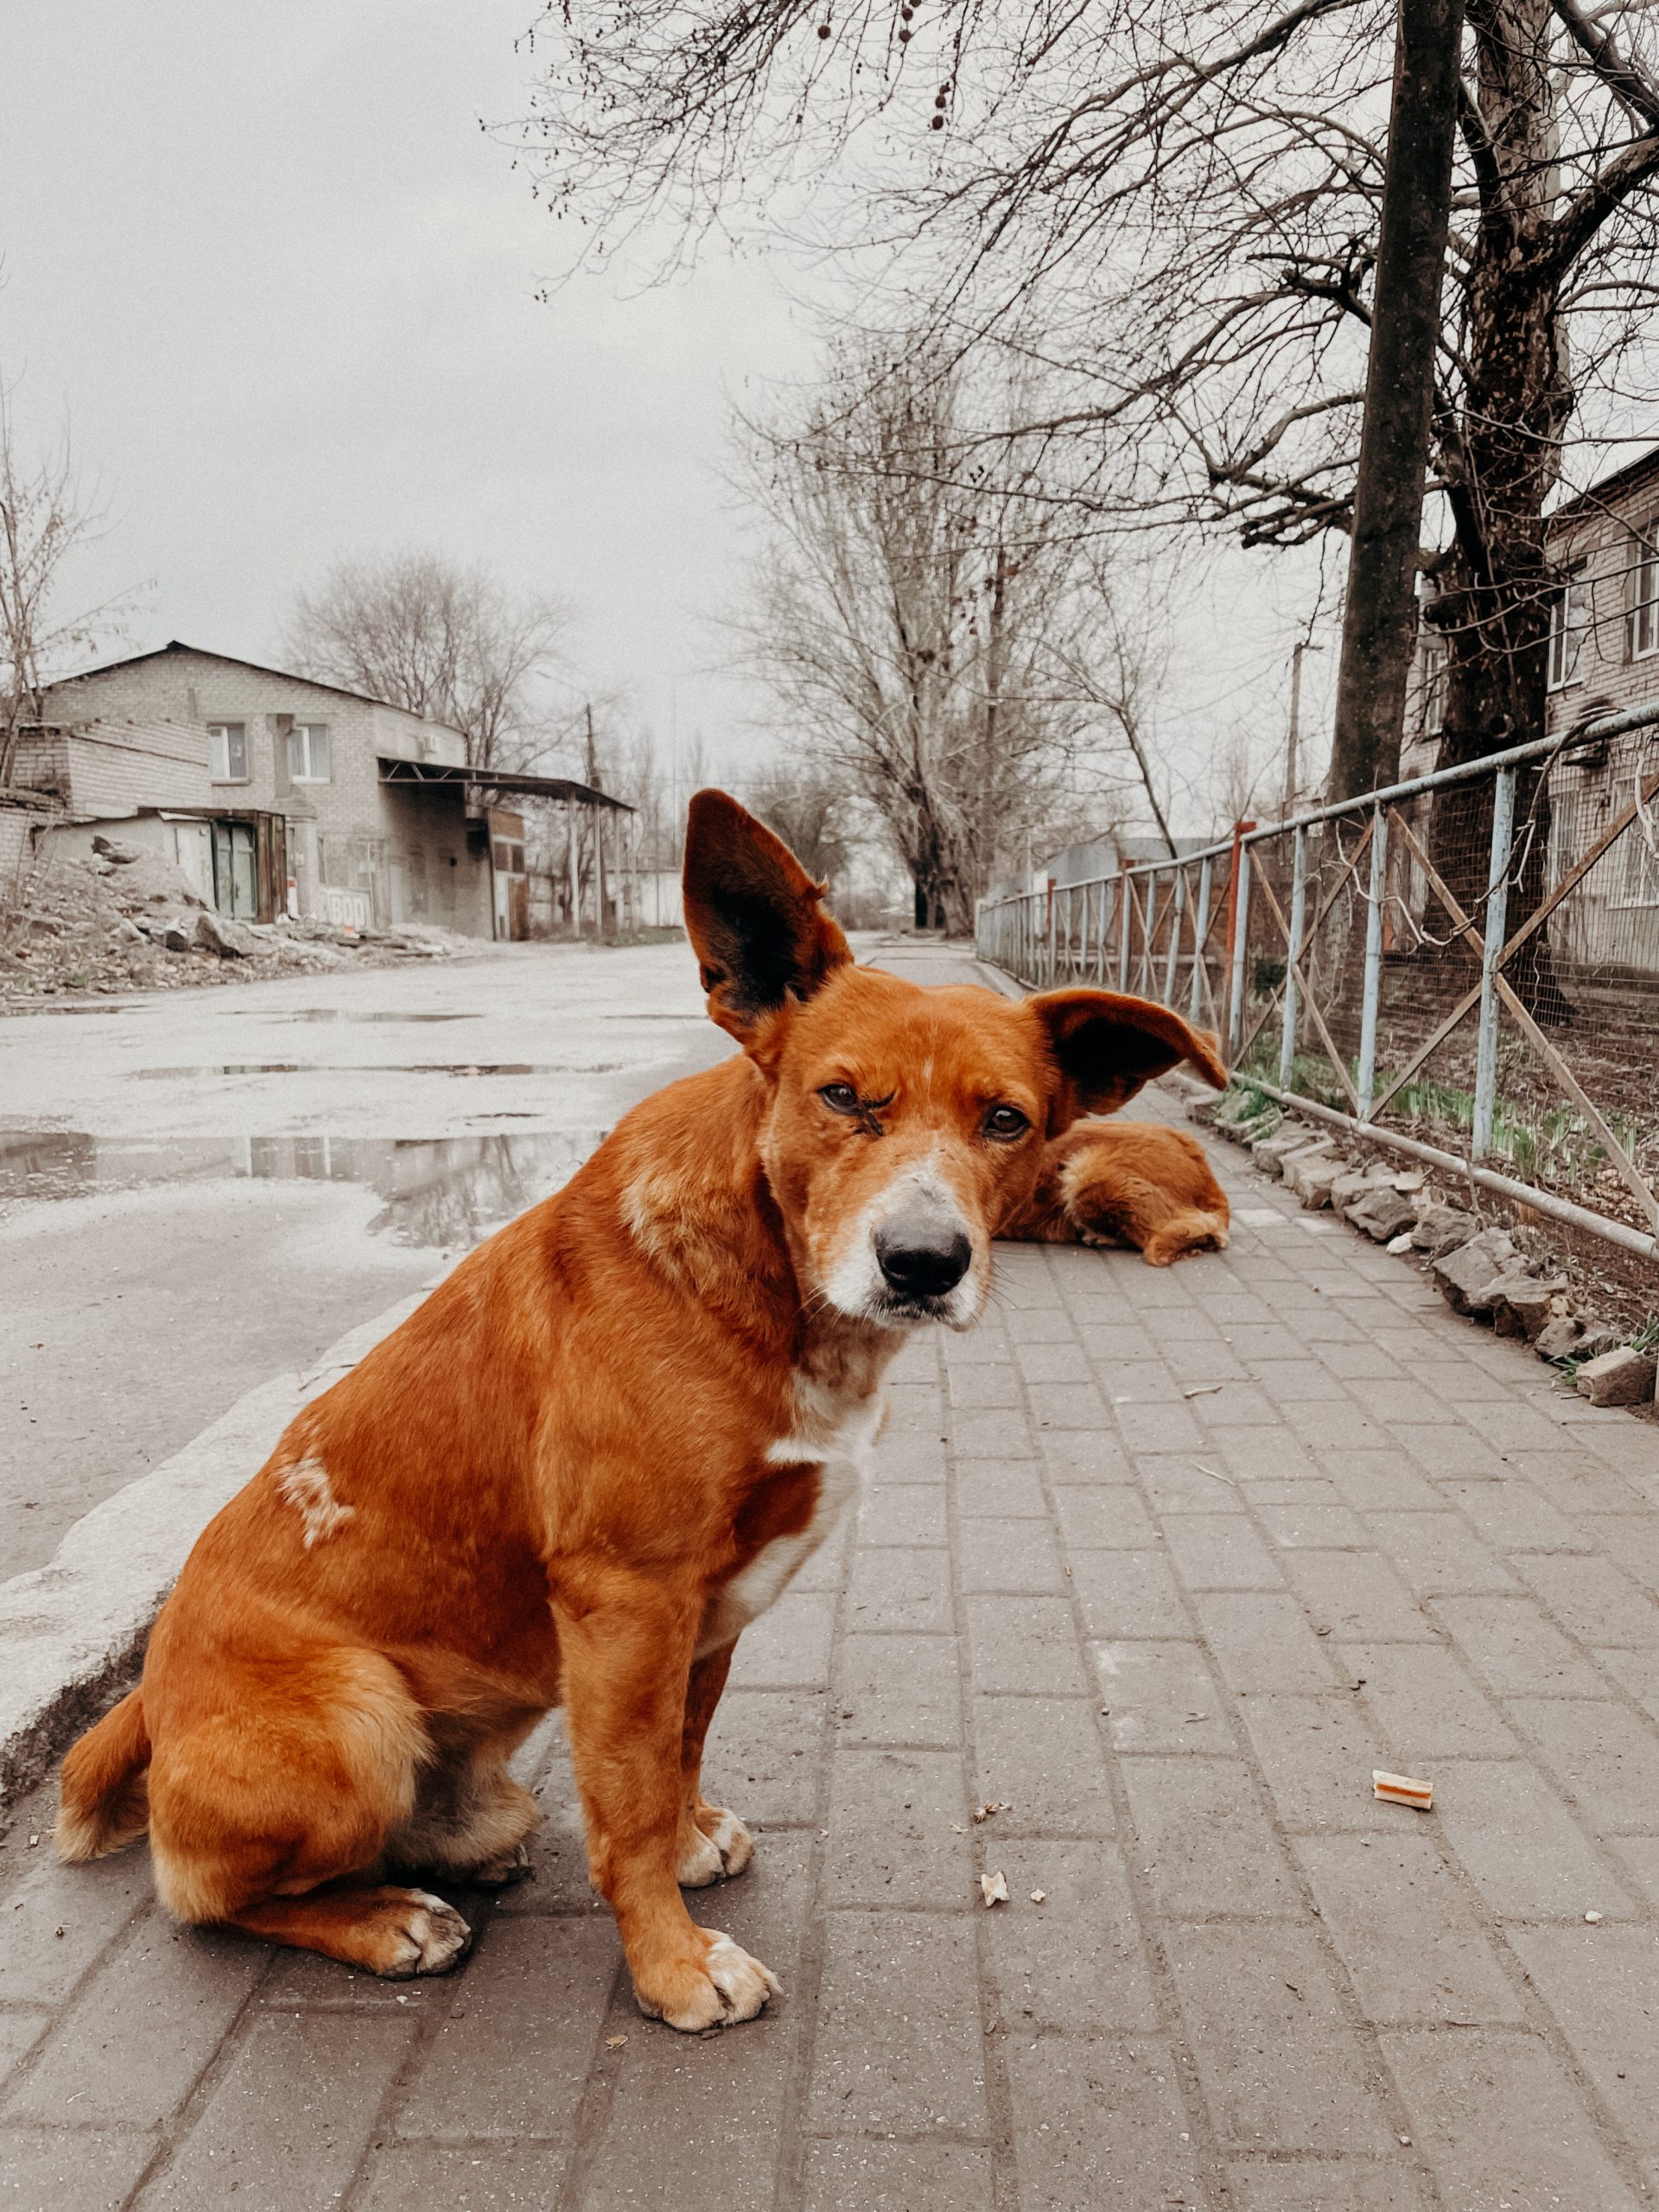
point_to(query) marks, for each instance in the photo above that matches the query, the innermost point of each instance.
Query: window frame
(1574, 595)
(307, 733)
(1642, 617)
(216, 731)
(1436, 667)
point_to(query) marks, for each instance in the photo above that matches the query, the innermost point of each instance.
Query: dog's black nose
(923, 1258)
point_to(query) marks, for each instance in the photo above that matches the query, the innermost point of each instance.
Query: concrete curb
(71, 1632)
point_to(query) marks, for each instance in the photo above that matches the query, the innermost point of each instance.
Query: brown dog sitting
(1134, 1183)
(604, 1446)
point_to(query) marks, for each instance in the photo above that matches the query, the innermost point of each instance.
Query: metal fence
(1465, 966)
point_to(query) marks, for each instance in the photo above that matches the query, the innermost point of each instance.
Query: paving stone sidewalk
(1161, 1564)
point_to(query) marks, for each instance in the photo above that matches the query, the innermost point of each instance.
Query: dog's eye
(839, 1098)
(1006, 1121)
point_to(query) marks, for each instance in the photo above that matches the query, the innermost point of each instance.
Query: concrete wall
(405, 848)
(188, 843)
(17, 845)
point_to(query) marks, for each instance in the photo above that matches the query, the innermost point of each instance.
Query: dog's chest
(835, 1436)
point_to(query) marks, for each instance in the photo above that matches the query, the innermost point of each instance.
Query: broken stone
(1623, 1377)
(112, 849)
(1358, 1183)
(1270, 1153)
(1382, 1213)
(1559, 1338)
(1313, 1176)
(177, 937)
(1465, 1275)
(214, 933)
(1440, 1229)
(1523, 1305)
(1597, 1338)
(127, 931)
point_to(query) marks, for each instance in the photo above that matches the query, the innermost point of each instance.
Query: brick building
(1604, 633)
(304, 798)
(1604, 661)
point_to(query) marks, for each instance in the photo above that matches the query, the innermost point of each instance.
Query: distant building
(1604, 622)
(278, 794)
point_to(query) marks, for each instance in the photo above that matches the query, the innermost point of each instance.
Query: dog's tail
(105, 1796)
(1192, 1230)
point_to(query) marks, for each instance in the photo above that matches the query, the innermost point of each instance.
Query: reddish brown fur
(1134, 1183)
(545, 1487)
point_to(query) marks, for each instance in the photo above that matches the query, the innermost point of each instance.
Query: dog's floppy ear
(1106, 1047)
(753, 916)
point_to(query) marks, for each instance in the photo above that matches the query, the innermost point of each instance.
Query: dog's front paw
(714, 1844)
(498, 1874)
(417, 1933)
(717, 1990)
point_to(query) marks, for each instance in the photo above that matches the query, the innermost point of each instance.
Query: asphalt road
(199, 1189)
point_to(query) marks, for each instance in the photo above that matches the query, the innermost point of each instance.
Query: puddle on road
(376, 1067)
(439, 1191)
(343, 1013)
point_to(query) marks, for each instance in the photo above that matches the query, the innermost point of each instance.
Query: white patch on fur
(306, 1487)
(729, 1831)
(701, 1863)
(436, 1936)
(742, 1981)
(856, 1284)
(836, 1435)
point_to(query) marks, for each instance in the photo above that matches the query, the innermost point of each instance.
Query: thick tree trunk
(1501, 460)
(1380, 621)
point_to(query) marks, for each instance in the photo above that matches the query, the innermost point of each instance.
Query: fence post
(1366, 1084)
(1124, 911)
(1497, 902)
(1200, 931)
(1292, 954)
(1051, 933)
(1178, 907)
(1238, 933)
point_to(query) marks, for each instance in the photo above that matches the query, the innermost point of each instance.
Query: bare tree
(423, 632)
(1182, 200)
(44, 520)
(812, 809)
(923, 631)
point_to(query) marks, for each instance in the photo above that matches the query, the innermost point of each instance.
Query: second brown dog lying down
(1134, 1183)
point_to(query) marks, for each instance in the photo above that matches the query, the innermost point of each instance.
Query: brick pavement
(1171, 1634)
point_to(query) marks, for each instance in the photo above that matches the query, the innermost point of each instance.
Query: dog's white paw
(705, 1859)
(728, 1985)
(429, 1936)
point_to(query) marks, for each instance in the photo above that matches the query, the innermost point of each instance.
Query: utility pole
(1379, 621)
(599, 831)
(1301, 647)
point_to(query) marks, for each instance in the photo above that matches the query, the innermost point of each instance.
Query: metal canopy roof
(395, 770)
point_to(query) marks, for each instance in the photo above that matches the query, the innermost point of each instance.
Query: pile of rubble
(128, 918)
(1479, 1268)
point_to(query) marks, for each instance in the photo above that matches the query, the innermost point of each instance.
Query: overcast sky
(283, 291)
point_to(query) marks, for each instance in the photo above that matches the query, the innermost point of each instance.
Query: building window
(308, 753)
(1642, 624)
(228, 752)
(1569, 618)
(1433, 683)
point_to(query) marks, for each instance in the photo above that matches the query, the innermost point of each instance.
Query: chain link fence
(1465, 966)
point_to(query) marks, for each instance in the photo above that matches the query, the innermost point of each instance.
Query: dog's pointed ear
(1106, 1047)
(754, 917)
